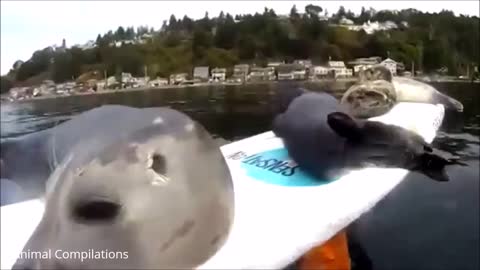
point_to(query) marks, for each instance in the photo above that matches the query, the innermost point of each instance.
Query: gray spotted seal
(148, 189)
(378, 90)
(326, 141)
(30, 159)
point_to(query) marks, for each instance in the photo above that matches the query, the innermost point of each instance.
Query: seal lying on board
(378, 90)
(326, 141)
(156, 195)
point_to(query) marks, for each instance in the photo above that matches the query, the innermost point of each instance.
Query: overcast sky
(27, 26)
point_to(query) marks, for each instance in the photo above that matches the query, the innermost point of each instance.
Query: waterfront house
(319, 72)
(201, 74)
(17, 92)
(291, 72)
(178, 78)
(391, 65)
(111, 80)
(304, 62)
(141, 81)
(218, 74)
(101, 85)
(92, 84)
(360, 64)
(307, 65)
(47, 87)
(358, 68)
(299, 72)
(158, 82)
(261, 74)
(67, 87)
(339, 69)
(240, 72)
(127, 77)
(285, 72)
(275, 64)
(373, 60)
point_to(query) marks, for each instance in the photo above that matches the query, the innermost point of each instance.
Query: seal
(150, 190)
(378, 90)
(9, 192)
(327, 142)
(30, 159)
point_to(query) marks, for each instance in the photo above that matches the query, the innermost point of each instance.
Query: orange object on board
(332, 255)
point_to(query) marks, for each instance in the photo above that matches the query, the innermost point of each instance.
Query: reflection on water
(422, 224)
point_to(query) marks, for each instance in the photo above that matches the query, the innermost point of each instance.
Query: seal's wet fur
(158, 194)
(326, 141)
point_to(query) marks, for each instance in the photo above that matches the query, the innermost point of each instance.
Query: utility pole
(105, 76)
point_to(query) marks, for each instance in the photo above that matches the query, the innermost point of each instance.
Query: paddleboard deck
(280, 212)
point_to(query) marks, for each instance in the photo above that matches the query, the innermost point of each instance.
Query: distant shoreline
(339, 80)
(165, 87)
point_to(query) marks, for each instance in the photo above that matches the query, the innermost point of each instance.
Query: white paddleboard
(280, 213)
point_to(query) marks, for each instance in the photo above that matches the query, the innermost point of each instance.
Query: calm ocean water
(420, 225)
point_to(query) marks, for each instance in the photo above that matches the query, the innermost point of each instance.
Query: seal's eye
(95, 211)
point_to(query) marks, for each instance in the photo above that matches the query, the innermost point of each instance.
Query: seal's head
(160, 197)
(408, 89)
(376, 72)
(369, 98)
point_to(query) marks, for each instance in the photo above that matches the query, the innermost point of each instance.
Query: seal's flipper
(433, 166)
(344, 125)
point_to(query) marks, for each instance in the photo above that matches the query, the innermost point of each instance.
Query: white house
(275, 64)
(201, 73)
(127, 77)
(299, 74)
(319, 72)
(178, 78)
(218, 74)
(158, 82)
(306, 63)
(391, 65)
(261, 74)
(339, 69)
(358, 68)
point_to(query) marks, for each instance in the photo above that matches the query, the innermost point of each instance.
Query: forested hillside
(430, 41)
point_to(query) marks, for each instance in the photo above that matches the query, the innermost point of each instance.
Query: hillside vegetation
(430, 41)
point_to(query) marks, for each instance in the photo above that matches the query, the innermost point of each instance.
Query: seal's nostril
(96, 211)
(159, 164)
